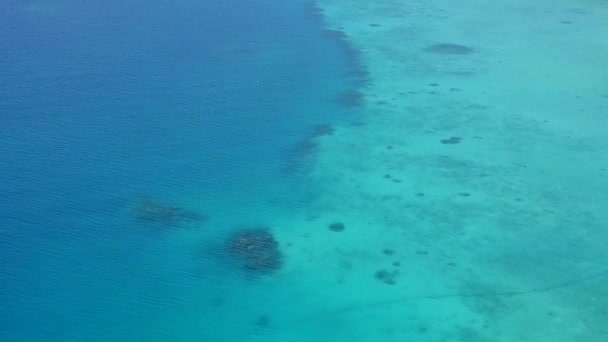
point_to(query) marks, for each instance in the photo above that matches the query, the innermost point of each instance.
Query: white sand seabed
(500, 237)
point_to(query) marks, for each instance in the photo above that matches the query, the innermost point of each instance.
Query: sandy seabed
(472, 184)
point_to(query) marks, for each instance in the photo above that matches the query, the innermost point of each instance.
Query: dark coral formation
(350, 98)
(256, 249)
(388, 251)
(154, 211)
(353, 55)
(337, 227)
(356, 69)
(321, 130)
(451, 141)
(302, 154)
(387, 277)
(315, 11)
(449, 49)
(335, 34)
(262, 321)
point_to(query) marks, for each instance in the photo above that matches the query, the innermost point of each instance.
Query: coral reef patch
(255, 249)
(387, 277)
(449, 49)
(321, 130)
(154, 211)
(302, 154)
(451, 141)
(263, 321)
(350, 98)
(337, 227)
(388, 251)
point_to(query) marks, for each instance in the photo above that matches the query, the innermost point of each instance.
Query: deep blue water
(195, 103)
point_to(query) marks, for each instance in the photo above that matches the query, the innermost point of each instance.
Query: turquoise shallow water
(205, 105)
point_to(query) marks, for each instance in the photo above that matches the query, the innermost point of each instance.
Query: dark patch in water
(321, 130)
(451, 141)
(387, 277)
(154, 211)
(578, 11)
(263, 321)
(449, 49)
(317, 11)
(256, 249)
(335, 34)
(302, 154)
(350, 98)
(337, 227)
(388, 251)
(353, 55)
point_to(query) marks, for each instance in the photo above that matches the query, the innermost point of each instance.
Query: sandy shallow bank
(472, 184)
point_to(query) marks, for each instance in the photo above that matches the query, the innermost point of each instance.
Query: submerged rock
(350, 98)
(321, 130)
(301, 155)
(262, 321)
(451, 141)
(388, 251)
(449, 49)
(256, 249)
(337, 227)
(151, 210)
(387, 277)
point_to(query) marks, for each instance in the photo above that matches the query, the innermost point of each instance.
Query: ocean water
(107, 107)
(336, 170)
